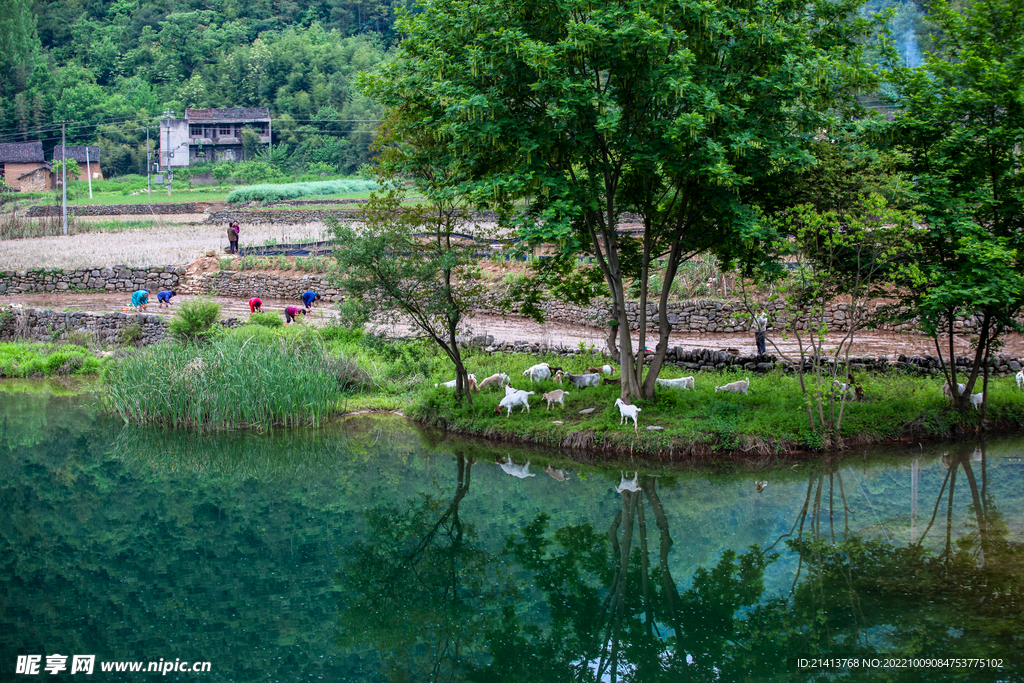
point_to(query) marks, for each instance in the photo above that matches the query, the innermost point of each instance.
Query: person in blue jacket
(140, 299)
(309, 299)
(164, 298)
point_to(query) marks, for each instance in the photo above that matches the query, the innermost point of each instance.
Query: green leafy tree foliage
(684, 113)
(21, 45)
(959, 129)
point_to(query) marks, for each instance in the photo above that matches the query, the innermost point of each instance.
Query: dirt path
(511, 329)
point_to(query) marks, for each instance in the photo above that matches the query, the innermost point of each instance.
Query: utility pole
(88, 170)
(149, 166)
(64, 179)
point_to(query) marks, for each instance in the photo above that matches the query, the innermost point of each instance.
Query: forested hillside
(110, 68)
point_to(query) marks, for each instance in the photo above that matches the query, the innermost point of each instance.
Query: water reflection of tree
(615, 614)
(418, 588)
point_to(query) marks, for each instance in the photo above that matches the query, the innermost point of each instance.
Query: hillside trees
(685, 113)
(959, 130)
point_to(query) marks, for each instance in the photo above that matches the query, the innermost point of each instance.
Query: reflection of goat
(761, 486)
(451, 385)
(627, 485)
(739, 386)
(519, 398)
(557, 475)
(556, 396)
(580, 381)
(500, 379)
(518, 471)
(538, 372)
(680, 383)
(627, 411)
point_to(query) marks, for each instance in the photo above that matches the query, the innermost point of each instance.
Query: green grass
(30, 359)
(276, 192)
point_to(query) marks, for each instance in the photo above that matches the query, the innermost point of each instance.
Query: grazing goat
(557, 377)
(611, 380)
(627, 411)
(976, 400)
(519, 398)
(538, 372)
(680, 383)
(556, 474)
(739, 386)
(947, 391)
(604, 369)
(556, 396)
(845, 389)
(451, 385)
(627, 485)
(580, 381)
(1020, 379)
(500, 379)
(518, 471)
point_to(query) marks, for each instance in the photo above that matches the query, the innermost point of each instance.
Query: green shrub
(20, 359)
(265, 320)
(195, 320)
(131, 335)
(270, 193)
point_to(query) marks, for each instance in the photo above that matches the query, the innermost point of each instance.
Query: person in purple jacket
(291, 313)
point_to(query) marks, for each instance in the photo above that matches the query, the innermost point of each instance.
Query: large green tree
(683, 112)
(959, 129)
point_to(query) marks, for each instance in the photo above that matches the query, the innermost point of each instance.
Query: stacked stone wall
(112, 279)
(43, 210)
(45, 325)
(250, 283)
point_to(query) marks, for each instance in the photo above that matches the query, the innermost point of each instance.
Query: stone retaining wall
(42, 324)
(40, 211)
(249, 283)
(115, 279)
(261, 216)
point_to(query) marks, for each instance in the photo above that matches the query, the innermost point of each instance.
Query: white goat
(1020, 379)
(519, 398)
(580, 381)
(538, 372)
(500, 379)
(976, 400)
(845, 388)
(627, 411)
(627, 485)
(680, 383)
(604, 369)
(739, 386)
(451, 385)
(557, 377)
(556, 396)
(948, 392)
(518, 471)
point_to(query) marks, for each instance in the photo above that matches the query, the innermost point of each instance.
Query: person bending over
(140, 299)
(164, 298)
(309, 299)
(255, 305)
(291, 313)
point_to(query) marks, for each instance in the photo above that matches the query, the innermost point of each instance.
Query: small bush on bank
(265, 320)
(271, 193)
(195, 320)
(26, 359)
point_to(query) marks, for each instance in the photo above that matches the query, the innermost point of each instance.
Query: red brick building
(23, 167)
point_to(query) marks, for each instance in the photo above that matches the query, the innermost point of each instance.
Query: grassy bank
(30, 359)
(264, 377)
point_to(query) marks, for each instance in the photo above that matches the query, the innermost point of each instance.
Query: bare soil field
(512, 328)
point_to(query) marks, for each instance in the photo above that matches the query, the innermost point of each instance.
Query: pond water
(373, 551)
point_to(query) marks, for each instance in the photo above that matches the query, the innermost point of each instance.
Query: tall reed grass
(248, 378)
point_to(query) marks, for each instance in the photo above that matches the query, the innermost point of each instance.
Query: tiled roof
(77, 152)
(240, 114)
(11, 152)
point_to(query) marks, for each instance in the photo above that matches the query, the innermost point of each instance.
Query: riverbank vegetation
(29, 359)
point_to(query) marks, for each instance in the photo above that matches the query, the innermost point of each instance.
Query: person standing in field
(309, 299)
(291, 313)
(140, 299)
(255, 305)
(233, 231)
(164, 298)
(760, 328)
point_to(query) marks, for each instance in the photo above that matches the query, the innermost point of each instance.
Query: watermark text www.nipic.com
(32, 665)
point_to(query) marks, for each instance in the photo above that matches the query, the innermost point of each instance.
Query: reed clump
(239, 380)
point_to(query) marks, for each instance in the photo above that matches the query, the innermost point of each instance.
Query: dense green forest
(111, 68)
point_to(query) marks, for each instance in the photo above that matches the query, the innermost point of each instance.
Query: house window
(225, 130)
(259, 130)
(195, 131)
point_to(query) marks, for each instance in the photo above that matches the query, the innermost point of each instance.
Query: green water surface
(373, 551)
